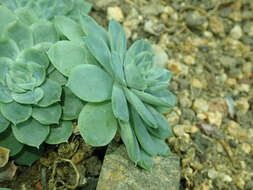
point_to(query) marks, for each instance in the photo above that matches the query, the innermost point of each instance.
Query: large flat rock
(119, 173)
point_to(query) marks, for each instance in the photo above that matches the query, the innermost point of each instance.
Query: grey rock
(120, 173)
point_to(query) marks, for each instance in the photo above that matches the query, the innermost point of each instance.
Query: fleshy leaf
(151, 99)
(36, 56)
(5, 94)
(65, 55)
(52, 93)
(15, 112)
(6, 17)
(29, 155)
(146, 161)
(97, 124)
(90, 83)
(47, 115)
(117, 68)
(130, 141)
(100, 51)
(60, 133)
(142, 134)
(90, 27)
(166, 96)
(80, 6)
(8, 48)
(4, 68)
(72, 105)
(137, 47)
(4, 123)
(8, 140)
(56, 76)
(69, 28)
(119, 103)
(29, 97)
(134, 78)
(26, 15)
(162, 147)
(31, 132)
(44, 31)
(117, 37)
(140, 108)
(21, 34)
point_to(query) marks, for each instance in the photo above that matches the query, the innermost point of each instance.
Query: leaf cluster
(35, 104)
(124, 89)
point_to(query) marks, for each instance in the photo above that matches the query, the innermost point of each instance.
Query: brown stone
(120, 173)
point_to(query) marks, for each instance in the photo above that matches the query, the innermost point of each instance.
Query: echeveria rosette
(31, 111)
(31, 10)
(124, 89)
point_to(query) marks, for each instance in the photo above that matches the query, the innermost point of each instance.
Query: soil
(208, 44)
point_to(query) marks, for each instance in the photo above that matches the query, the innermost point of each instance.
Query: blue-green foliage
(124, 88)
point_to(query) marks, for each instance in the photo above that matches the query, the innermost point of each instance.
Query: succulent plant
(35, 104)
(125, 90)
(31, 10)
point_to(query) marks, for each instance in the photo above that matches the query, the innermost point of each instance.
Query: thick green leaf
(65, 55)
(97, 123)
(137, 47)
(119, 103)
(140, 108)
(60, 133)
(26, 15)
(29, 155)
(118, 40)
(80, 6)
(47, 115)
(142, 134)
(69, 28)
(90, 83)
(13, 86)
(5, 94)
(36, 56)
(8, 48)
(134, 78)
(15, 112)
(29, 97)
(100, 51)
(146, 161)
(31, 132)
(163, 110)
(90, 59)
(166, 96)
(21, 34)
(52, 93)
(4, 123)
(72, 105)
(4, 68)
(117, 68)
(151, 99)
(26, 76)
(6, 17)
(56, 76)
(130, 141)
(44, 31)
(90, 27)
(162, 147)
(8, 140)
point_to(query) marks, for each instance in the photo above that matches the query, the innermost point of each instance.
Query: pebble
(174, 116)
(115, 13)
(216, 25)
(214, 118)
(189, 60)
(236, 32)
(195, 83)
(177, 67)
(242, 105)
(246, 148)
(200, 105)
(234, 130)
(161, 58)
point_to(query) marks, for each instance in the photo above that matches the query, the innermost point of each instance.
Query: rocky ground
(208, 44)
